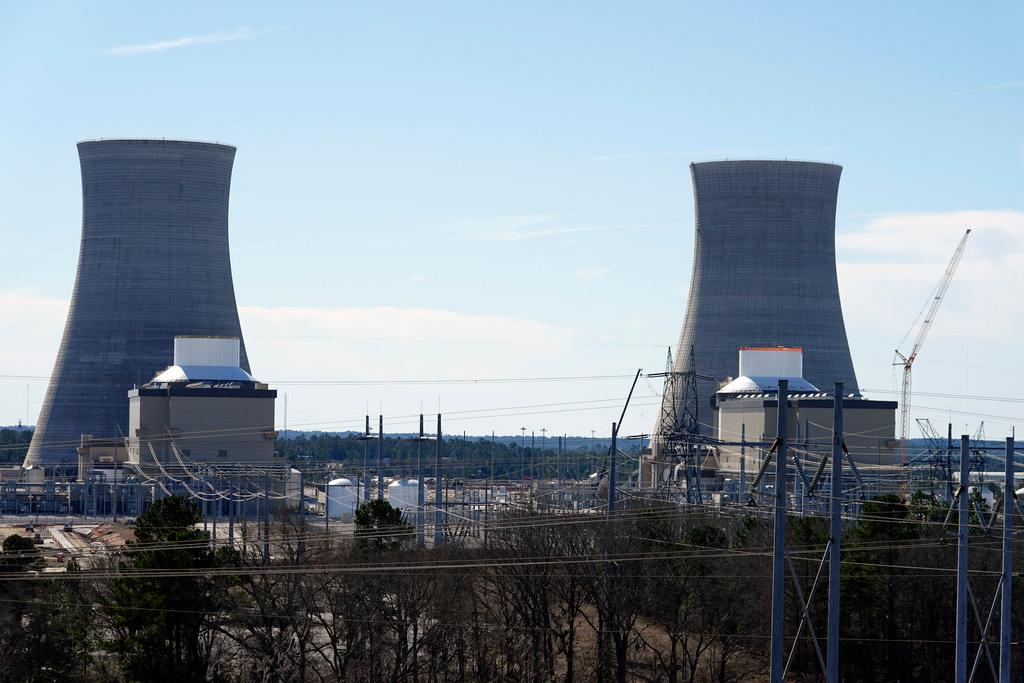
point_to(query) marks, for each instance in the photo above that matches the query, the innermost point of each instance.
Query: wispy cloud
(899, 257)
(590, 274)
(989, 87)
(241, 33)
(929, 237)
(787, 152)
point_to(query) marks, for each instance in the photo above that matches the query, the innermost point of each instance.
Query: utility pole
(231, 514)
(832, 653)
(949, 461)
(611, 472)
(522, 449)
(561, 469)
(779, 542)
(366, 462)
(1006, 606)
(380, 458)
(437, 486)
(301, 513)
(489, 494)
(421, 492)
(532, 455)
(543, 451)
(960, 672)
(266, 521)
(743, 458)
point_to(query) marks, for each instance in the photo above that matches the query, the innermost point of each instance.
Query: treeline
(470, 457)
(14, 445)
(660, 594)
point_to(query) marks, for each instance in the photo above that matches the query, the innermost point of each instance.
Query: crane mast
(907, 360)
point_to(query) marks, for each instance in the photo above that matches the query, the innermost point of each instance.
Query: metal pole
(533, 451)
(206, 503)
(266, 520)
(561, 470)
(231, 515)
(217, 510)
(114, 506)
(302, 517)
(421, 492)
(380, 459)
(779, 544)
(743, 459)
(1006, 606)
(487, 493)
(522, 458)
(960, 672)
(366, 462)
(832, 653)
(611, 471)
(437, 486)
(949, 462)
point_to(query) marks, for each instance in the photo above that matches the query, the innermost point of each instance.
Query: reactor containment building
(153, 264)
(764, 275)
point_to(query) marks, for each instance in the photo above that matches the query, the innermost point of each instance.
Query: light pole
(543, 445)
(522, 453)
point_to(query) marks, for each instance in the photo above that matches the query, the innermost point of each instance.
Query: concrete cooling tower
(764, 275)
(153, 264)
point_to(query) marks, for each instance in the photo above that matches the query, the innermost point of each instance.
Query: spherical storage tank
(404, 494)
(342, 499)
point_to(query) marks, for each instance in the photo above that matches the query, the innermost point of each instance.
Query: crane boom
(907, 361)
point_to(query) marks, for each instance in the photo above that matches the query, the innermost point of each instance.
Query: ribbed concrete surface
(153, 263)
(764, 270)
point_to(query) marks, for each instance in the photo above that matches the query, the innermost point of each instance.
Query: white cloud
(990, 87)
(293, 347)
(590, 274)
(888, 269)
(241, 33)
(32, 329)
(915, 237)
(392, 331)
(298, 346)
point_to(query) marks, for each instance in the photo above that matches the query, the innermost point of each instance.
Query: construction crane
(907, 360)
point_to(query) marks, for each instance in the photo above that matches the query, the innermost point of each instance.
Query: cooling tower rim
(162, 142)
(786, 162)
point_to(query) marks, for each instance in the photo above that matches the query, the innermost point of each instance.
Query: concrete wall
(153, 263)
(869, 428)
(203, 426)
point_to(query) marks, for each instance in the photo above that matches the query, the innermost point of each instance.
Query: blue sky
(448, 190)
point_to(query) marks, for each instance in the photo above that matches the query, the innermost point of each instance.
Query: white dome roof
(760, 385)
(198, 373)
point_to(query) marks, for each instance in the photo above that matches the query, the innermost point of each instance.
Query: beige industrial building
(203, 410)
(745, 410)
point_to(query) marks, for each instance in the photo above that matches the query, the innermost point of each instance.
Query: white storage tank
(292, 494)
(342, 499)
(404, 494)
